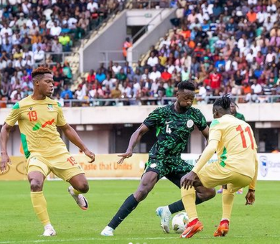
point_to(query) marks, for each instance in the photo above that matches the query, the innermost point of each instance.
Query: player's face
(185, 98)
(215, 114)
(46, 85)
(232, 109)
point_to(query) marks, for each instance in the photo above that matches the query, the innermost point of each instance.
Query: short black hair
(40, 71)
(186, 85)
(223, 102)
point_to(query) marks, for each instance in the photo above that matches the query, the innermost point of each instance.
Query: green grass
(18, 223)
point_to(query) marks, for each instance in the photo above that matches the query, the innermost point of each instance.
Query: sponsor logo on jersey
(190, 123)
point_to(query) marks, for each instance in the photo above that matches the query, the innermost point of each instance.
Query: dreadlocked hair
(40, 71)
(223, 102)
(186, 85)
(234, 103)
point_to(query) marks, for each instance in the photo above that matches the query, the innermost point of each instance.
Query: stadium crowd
(223, 46)
(35, 32)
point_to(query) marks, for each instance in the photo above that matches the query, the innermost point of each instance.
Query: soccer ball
(179, 222)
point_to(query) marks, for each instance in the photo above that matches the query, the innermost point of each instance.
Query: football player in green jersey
(174, 124)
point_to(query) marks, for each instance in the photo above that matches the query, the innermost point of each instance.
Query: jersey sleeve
(242, 117)
(200, 120)
(215, 132)
(153, 119)
(13, 116)
(60, 117)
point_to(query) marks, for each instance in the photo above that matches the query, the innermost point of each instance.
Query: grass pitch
(256, 224)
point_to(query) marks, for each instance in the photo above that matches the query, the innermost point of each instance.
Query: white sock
(48, 226)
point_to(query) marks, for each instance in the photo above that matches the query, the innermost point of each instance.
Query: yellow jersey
(237, 148)
(38, 121)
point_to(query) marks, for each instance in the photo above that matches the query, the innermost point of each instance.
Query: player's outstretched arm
(135, 137)
(5, 133)
(205, 133)
(72, 135)
(250, 196)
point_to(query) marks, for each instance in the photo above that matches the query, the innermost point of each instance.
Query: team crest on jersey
(190, 123)
(153, 165)
(50, 107)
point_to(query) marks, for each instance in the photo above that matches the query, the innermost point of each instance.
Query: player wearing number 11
(237, 166)
(38, 117)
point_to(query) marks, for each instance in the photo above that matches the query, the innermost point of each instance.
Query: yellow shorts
(63, 166)
(214, 174)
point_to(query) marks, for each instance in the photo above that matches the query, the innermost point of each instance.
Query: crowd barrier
(106, 166)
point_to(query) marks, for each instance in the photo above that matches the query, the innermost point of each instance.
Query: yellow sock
(188, 198)
(76, 191)
(40, 207)
(228, 198)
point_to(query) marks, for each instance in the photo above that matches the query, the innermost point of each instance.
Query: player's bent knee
(36, 185)
(212, 193)
(206, 194)
(83, 188)
(141, 194)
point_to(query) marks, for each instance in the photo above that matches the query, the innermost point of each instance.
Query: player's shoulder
(53, 102)
(163, 109)
(215, 123)
(23, 102)
(195, 110)
(222, 121)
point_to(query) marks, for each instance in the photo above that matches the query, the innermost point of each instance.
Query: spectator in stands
(153, 60)
(39, 54)
(65, 40)
(127, 44)
(66, 93)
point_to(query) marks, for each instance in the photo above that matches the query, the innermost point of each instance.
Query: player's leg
(79, 185)
(237, 181)
(189, 198)
(202, 194)
(65, 167)
(147, 183)
(37, 172)
(209, 176)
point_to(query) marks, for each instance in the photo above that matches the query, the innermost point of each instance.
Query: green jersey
(239, 116)
(173, 130)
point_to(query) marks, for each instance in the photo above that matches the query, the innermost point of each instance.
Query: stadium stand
(223, 46)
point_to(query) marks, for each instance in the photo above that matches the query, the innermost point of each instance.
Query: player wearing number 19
(237, 166)
(38, 117)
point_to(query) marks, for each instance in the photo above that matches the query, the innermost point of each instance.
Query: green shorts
(171, 168)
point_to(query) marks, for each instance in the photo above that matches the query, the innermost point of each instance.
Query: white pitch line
(53, 239)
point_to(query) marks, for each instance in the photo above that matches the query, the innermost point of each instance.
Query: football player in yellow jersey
(38, 117)
(237, 166)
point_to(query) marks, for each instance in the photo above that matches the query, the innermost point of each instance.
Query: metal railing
(107, 58)
(56, 58)
(149, 4)
(100, 24)
(150, 101)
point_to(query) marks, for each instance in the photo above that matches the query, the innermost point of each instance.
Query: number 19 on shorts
(71, 160)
